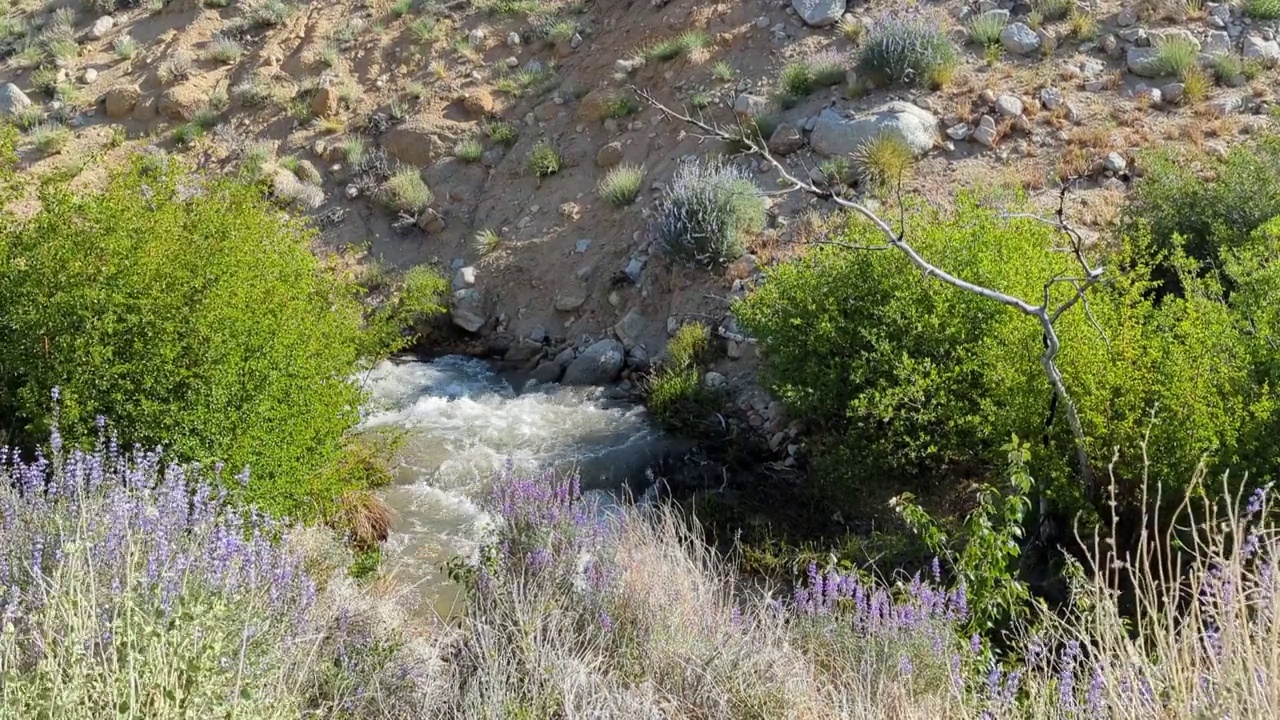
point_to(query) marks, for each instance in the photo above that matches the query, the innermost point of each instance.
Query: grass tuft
(621, 185)
(543, 160)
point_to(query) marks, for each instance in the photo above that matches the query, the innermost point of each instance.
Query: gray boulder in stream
(600, 363)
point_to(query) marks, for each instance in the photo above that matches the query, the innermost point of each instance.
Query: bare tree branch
(1042, 313)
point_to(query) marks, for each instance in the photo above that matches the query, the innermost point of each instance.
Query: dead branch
(1043, 313)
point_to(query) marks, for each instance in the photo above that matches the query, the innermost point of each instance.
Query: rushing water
(463, 422)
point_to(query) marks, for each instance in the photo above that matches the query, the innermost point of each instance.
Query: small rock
(1173, 92)
(1019, 39)
(959, 131)
(1144, 62)
(1050, 98)
(101, 27)
(570, 298)
(600, 363)
(513, 40)
(986, 132)
(476, 38)
(582, 245)
(1114, 162)
(786, 139)
(464, 278)
(629, 328)
(89, 76)
(1255, 48)
(324, 104)
(819, 13)
(466, 309)
(13, 100)
(1151, 96)
(1217, 43)
(430, 221)
(1126, 17)
(749, 105)
(714, 380)
(634, 267)
(479, 103)
(512, 62)
(1009, 106)
(609, 155)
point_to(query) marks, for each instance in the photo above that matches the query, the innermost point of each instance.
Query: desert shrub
(1186, 214)
(1226, 67)
(902, 377)
(119, 574)
(225, 50)
(675, 394)
(192, 314)
(674, 47)
(985, 29)
(501, 133)
(406, 191)
(268, 13)
(544, 160)
(1196, 85)
(722, 71)
(907, 49)
(621, 184)
(802, 77)
(706, 212)
(49, 136)
(1053, 9)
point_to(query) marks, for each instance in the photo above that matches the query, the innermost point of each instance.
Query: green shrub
(1262, 9)
(706, 212)
(501, 133)
(883, 161)
(672, 48)
(1176, 55)
(1203, 220)
(543, 160)
(722, 71)
(907, 49)
(1053, 9)
(191, 313)
(802, 77)
(902, 377)
(621, 184)
(675, 394)
(469, 150)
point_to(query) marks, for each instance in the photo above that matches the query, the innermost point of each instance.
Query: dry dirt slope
(271, 83)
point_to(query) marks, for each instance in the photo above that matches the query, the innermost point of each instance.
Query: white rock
(1019, 39)
(476, 38)
(1115, 162)
(834, 135)
(1009, 106)
(819, 13)
(1050, 98)
(1216, 42)
(1255, 48)
(750, 105)
(714, 380)
(465, 277)
(466, 309)
(1144, 61)
(101, 27)
(12, 99)
(89, 76)
(986, 132)
(959, 131)
(513, 40)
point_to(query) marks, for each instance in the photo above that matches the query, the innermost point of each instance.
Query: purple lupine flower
(1067, 675)
(1255, 502)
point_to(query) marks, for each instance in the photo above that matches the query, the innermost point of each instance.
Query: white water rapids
(463, 422)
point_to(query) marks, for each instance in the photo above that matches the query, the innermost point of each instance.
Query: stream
(463, 421)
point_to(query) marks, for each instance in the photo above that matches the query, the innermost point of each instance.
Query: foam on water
(463, 423)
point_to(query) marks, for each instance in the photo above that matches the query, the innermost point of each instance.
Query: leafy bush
(1262, 9)
(621, 184)
(907, 49)
(707, 210)
(902, 377)
(119, 574)
(543, 160)
(1185, 214)
(191, 313)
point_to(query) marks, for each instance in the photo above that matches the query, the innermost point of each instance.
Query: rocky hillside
(472, 134)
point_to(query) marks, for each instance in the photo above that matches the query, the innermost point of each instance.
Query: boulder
(101, 27)
(324, 104)
(785, 140)
(748, 105)
(1255, 48)
(1217, 42)
(1143, 61)
(609, 155)
(596, 104)
(600, 363)
(1009, 106)
(1019, 39)
(819, 13)
(182, 102)
(986, 131)
(629, 328)
(570, 298)
(479, 103)
(466, 309)
(12, 100)
(464, 278)
(834, 135)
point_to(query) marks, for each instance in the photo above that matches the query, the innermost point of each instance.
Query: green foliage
(1225, 67)
(722, 71)
(620, 106)
(800, 78)
(1179, 213)
(420, 295)
(190, 313)
(1262, 9)
(986, 561)
(676, 395)
(883, 161)
(707, 211)
(501, 133)
(672, 48)
(406, 191)
(906, 377)
(469, 150)
(543, 160)
(1176, 55)
(1053, 9)
(907, 49)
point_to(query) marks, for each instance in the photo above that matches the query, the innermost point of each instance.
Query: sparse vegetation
(268, 13)
(177, 67)
(406, 192)
(1051, 10)
(985, 29)
(225, 50)
(49, 137)
(501, 133)
(620, 106)
(1176, 56)
(469, 150)
(543, 160)
(621, 184)
(1196, 84)
(486, 242)
(353, 150)
(672, 48)
(801, 78)
(907, 49)
(722, 71)
(851, 29)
